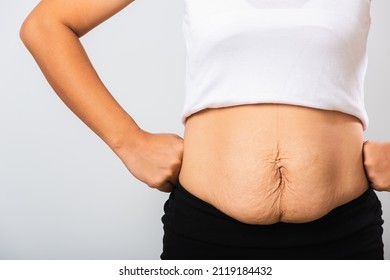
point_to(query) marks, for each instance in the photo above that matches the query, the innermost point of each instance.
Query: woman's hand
(154, 158)
(376, 157)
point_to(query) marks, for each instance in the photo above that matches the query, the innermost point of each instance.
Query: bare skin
(266, 163)
(376, 155)
(258, 163)
(51, 33)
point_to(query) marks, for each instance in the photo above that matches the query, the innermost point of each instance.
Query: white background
(63, 193)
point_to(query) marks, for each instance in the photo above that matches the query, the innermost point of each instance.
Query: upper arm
(79, 15)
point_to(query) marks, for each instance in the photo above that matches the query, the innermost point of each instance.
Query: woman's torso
(265, 163)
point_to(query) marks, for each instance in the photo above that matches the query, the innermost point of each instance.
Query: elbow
(32, 30)
(26, 30)
(37, 30)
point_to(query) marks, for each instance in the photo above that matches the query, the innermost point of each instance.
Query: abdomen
(265, 163)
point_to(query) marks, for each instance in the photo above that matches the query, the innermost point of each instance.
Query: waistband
(191, 216)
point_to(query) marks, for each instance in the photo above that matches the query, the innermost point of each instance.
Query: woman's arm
(51, 33)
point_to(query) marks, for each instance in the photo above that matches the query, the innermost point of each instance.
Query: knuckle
(377, 188)
(152, 185)
(155, 182)
(177, 162)
(380, 185)
(169, 173)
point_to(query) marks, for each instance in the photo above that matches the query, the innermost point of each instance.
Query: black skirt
(194, 229)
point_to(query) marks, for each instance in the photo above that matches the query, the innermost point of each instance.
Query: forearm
(66, 66)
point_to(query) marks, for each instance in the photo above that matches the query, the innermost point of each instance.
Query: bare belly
(266, 163)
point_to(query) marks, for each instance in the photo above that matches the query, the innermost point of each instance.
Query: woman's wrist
(126, 139)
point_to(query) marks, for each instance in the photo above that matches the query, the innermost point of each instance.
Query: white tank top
(310, 53)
